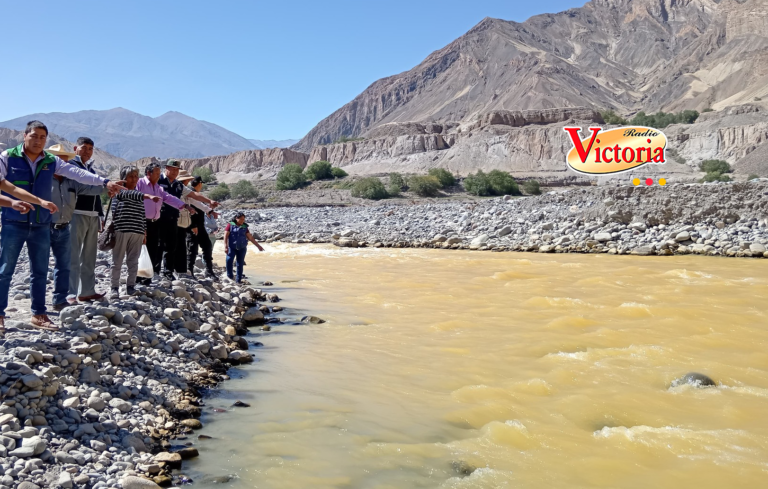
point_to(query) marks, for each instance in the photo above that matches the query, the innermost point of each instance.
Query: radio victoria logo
(616, 150)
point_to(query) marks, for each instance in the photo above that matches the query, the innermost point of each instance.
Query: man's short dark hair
(85, 140)
(196, 181)
(32, 125)
(150, 168)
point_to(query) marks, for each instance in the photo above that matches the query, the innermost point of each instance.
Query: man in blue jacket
(30, 168)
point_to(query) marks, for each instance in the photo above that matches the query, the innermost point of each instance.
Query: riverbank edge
(116, 425)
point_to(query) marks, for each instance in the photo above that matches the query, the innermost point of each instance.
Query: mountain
(105, 163)
(131, 136)
(272, 143)
(626, 55)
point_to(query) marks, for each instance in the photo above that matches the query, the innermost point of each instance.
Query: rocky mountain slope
(627, 55)
(105, 163)
(272, 143)
(131, 136)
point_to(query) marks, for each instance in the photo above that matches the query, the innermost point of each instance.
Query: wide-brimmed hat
(173, 163)
(60, 150)
(184, 175)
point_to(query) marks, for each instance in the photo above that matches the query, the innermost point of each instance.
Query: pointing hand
(22, 207)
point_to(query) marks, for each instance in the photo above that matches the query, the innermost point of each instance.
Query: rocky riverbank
(99, 403)
(723, 219)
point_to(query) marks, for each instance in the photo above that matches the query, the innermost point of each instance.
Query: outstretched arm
(18, 205)
(252, 240)
(22, 194)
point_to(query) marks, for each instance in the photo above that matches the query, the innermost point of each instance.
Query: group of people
(59, 211)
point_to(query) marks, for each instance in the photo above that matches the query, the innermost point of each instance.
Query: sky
(265, 70)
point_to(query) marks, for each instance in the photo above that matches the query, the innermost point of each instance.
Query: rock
(173, 313)
(96, 403)
(121, 405)
(603, 237)
(32, 381)
(346, 243)
(131, 441)
(219, 352)
(694, 379)
(114, 358)
(90, 375)
(480, 240)
(71, 313)
(195, 424)
(65, 458)
(132, 482)
(65, 480)
(643, 251)
(188, 453)
(72, 402)
(505, 231)
(683, 236)
(173, 460)
(30, 447)
(27, 485)
(757, 248)
(253, 315)
(312, 320)
(241, 404)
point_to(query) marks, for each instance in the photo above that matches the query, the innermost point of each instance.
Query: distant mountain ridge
(131, 136)
(273, 143)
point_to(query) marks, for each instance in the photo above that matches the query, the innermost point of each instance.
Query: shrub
(660, 120)
(443, 176)
(369, 188)
(397, 180)
(478, 184)
(243, 190)
(715, 166)
(532, 187)
(290, 177)
(753, 176)
(205, 173)
(219, 192)
(424, 186)
(393, 190)
(319, 170)
(502, 183)
(610, 117)
(715, 177)
(337, 172)
(708, 109)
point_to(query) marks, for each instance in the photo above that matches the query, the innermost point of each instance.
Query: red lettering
(576, 140)
(605, 156)
(658, 155)
(640, 154)
(597, 155)
(631, 155)
(617, 153)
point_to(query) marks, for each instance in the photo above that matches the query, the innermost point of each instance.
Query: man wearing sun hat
(173, 238)
(64, 194)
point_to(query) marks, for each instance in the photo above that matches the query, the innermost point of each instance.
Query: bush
(532, 187)
(610, 117)
(319, 170)
(478, 184)
(443, 176)
(753, 176)
(205, 173)
(425, 186)
(369, 188)
(243, 190)
(219, 193)
(393, 190)
(502, 183)
(708, 109)
(338, 173)
(715, 177)
(660, 120)
(715, 166)
(290, 177)
(397, 180)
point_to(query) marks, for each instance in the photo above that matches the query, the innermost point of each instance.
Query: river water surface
(537, 371)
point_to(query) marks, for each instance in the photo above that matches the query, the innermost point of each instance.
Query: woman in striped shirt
(130, 230)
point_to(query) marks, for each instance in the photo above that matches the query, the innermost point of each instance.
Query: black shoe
(130, 290)
(169, 275)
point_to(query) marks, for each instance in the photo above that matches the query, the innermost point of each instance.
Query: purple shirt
(152, 209)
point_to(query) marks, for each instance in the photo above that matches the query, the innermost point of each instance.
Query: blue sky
(265, 70)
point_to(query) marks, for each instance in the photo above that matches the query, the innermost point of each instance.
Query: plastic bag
(145, 264)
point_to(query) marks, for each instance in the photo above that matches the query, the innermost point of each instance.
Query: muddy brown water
(441, 369)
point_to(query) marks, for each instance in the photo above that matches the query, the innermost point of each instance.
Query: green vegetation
(243, 190)
(716, 171)
(425, 186)
(104, 201)
(344, 184)
(660, 120)
(219, 193)
(347, 139)
(708, 109)
(495, 182)
(443, 176)
(396, 179)
(610, 117)
(290, 177)
(205, 173)
(532, 187)
(369, 188)
(752, 176)
(757, 99)
(319, 170)
(337, 172)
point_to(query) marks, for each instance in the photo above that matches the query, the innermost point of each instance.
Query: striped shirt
(128, 212)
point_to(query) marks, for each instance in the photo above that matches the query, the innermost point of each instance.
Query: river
(441, 369)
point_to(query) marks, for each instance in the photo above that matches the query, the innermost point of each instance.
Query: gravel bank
(97, 404)
(723, 219)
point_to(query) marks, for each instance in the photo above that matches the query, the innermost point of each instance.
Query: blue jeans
(61, 246)
(238, 255)
(38, 240)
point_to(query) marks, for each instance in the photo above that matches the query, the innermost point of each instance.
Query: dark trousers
(154, 246)
(236, 257)
(173, 243)
(61, 247)
(202, 241)
(38, 240)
